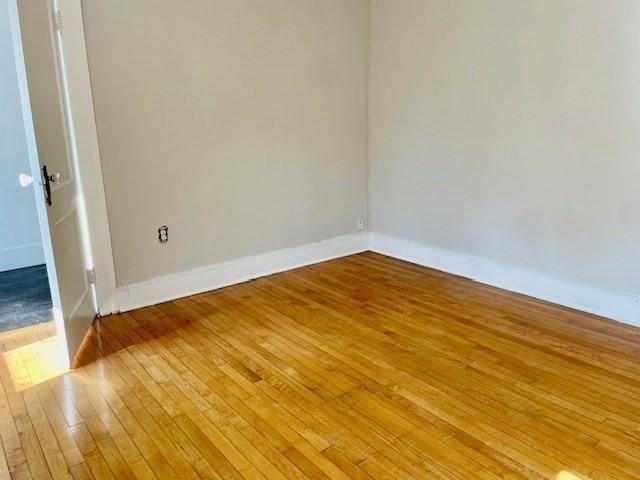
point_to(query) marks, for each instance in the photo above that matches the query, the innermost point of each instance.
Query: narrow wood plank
(364, 367)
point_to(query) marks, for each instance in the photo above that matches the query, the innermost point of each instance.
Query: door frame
(76, 86)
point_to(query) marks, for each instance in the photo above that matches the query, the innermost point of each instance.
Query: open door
(58, 194)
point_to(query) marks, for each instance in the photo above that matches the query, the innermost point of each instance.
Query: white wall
(20, 242)
(510, 131)
(240, 124)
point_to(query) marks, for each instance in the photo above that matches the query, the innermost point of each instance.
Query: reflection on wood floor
(31, 355)
(363, 367)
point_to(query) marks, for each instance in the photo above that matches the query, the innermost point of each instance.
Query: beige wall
(505, 130)
(240, 124)
(510, 130)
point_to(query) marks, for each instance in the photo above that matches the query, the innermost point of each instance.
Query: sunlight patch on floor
(34, 363)
(567, 476)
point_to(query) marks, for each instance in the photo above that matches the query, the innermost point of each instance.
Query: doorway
(64, 173)
(25, 295)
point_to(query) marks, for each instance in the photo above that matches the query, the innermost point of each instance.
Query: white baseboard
(620, 306)
(178, 285)
(21, 257)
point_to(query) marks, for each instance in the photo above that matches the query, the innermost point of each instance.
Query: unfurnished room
(320, 239)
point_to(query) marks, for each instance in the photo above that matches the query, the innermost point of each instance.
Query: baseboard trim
(619, 306)
(21, 257)
(184, 284)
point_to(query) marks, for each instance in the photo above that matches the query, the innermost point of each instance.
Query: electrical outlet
(360, 225)
(163, 234)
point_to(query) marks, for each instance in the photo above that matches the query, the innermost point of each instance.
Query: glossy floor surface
(24, 298)
(362, 368)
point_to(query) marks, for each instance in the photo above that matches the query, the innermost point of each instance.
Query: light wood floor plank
(364, 368)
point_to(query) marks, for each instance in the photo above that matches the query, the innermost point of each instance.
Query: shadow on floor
(25, 298)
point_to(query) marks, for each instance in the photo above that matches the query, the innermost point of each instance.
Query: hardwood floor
(364, 368)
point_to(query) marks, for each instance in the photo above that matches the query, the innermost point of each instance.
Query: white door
(58, 194)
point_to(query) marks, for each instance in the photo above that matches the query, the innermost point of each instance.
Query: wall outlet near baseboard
(163, 234)
(360, 225)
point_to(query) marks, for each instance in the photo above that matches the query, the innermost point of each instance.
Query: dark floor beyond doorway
(25, 298)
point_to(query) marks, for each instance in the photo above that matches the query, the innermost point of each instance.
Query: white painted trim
(82, 318)
(620, 306)
(170, 287)
(22, 256)
(82, 118)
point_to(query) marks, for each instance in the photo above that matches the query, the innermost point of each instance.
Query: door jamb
(77, 83)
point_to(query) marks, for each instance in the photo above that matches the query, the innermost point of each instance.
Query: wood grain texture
(360, 368)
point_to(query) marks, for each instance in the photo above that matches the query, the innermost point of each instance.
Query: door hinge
(58, 20)
(91, 276)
